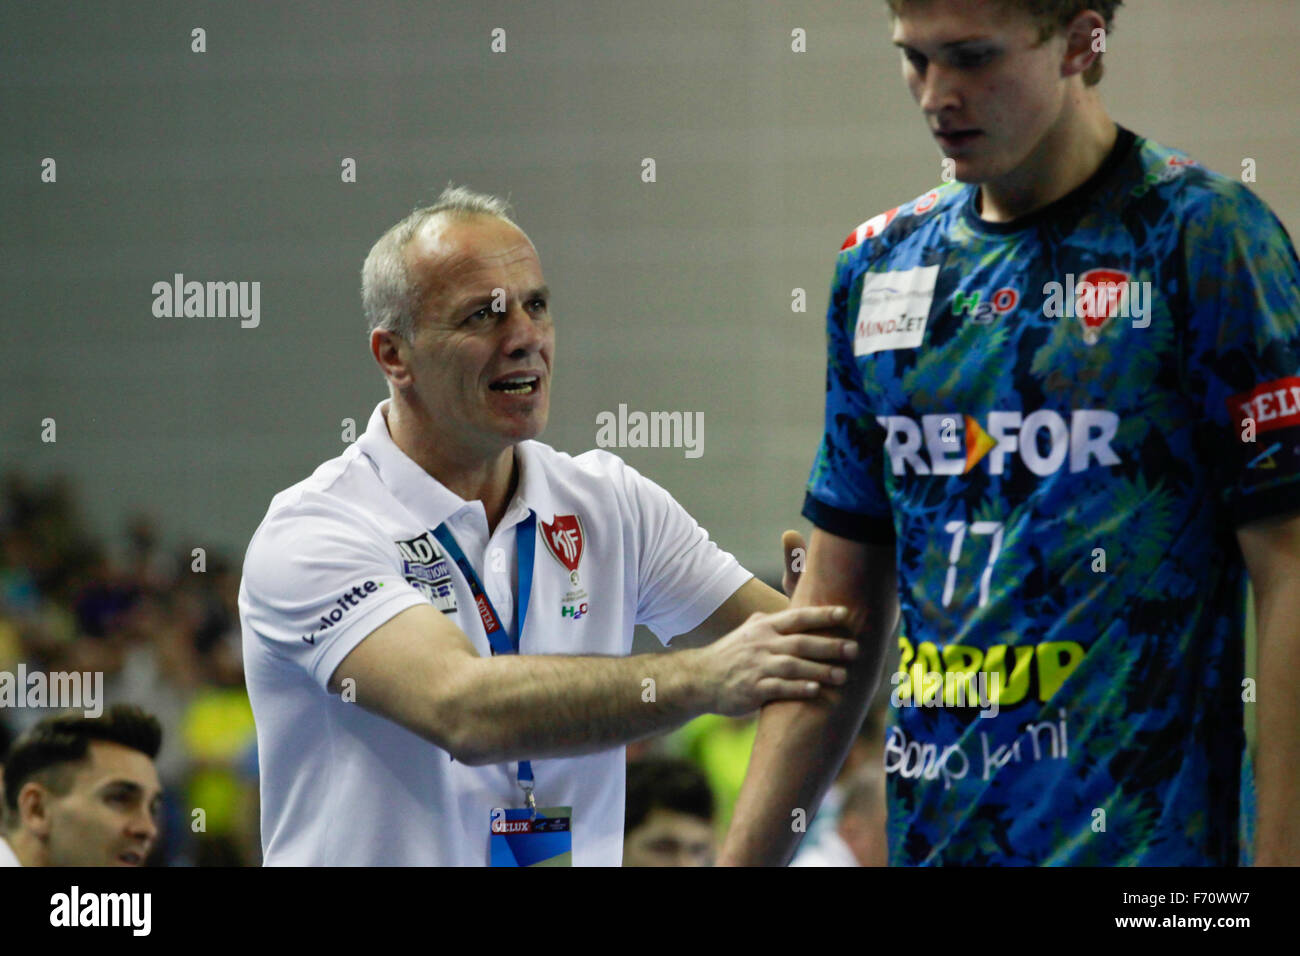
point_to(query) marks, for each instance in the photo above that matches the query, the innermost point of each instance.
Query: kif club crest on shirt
(564, 539)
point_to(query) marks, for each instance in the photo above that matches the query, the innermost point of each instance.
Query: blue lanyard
(501, 641)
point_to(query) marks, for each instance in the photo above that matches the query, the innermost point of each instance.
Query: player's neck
(473, 474)
(1064, 160)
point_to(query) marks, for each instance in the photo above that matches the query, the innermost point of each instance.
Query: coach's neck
(473, 473)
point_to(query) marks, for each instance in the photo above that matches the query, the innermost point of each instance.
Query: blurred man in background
(83, 791)
(669, 818)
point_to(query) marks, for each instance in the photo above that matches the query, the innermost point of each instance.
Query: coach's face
(108, 816)
(990, 92)
(479, 362)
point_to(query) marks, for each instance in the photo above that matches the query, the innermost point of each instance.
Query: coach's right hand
(772, 657)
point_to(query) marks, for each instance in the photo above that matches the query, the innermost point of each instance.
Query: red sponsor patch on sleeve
(870, 229)
(1270, 406)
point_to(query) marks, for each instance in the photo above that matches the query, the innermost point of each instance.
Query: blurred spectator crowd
(164, 634)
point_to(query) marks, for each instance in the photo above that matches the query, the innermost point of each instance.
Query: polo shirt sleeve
(846, 490)
(317, 582)
(1242, 348)
(682, 575)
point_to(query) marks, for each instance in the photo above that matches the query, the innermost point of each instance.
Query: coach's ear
(796, 556)
(392, 352)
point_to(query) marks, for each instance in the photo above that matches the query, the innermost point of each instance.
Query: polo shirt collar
(431, 501)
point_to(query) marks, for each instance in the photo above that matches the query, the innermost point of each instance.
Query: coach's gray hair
(389, 296)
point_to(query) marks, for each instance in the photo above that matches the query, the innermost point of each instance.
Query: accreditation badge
(522, 838)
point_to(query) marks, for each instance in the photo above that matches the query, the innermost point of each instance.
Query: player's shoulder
(1193, 192)
(883, 231)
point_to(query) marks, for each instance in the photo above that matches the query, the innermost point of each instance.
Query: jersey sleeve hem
(711, 596)
(847, 524)
(341, 645)
(1273, 502)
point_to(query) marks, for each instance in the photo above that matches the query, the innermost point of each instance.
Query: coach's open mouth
(516, 384)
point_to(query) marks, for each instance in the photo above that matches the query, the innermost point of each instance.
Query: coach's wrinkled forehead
(454, 254)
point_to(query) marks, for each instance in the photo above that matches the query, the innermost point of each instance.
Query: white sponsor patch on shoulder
(894, 309)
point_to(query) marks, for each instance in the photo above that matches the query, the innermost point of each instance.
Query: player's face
(990, 91)
(480, 358)
(669, 838)
(109, 816)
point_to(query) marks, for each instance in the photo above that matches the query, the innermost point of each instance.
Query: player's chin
(967, 169)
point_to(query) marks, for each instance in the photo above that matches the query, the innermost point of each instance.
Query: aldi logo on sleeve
(894, 309)
(426, 568)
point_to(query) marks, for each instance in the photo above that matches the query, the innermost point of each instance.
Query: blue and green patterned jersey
(1059, 423)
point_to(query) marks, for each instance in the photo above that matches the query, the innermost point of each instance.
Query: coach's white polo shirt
(345, 550)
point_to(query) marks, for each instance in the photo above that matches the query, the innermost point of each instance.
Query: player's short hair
(49, 751)
(1052, 16)
(668, 783)
(389, 295)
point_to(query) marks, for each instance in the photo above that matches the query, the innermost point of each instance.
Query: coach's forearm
(535, 706)
(1277, 751)
(798, 749)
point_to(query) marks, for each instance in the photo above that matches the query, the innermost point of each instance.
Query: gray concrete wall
(674, 295)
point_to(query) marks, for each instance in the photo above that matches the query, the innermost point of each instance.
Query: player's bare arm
(1272, 552)
(422, 672)
(801, 744)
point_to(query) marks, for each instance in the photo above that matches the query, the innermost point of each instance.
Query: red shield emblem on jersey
(563, 538)
(1099, 297)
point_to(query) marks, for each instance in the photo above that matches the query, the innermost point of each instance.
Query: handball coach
(437, 623)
